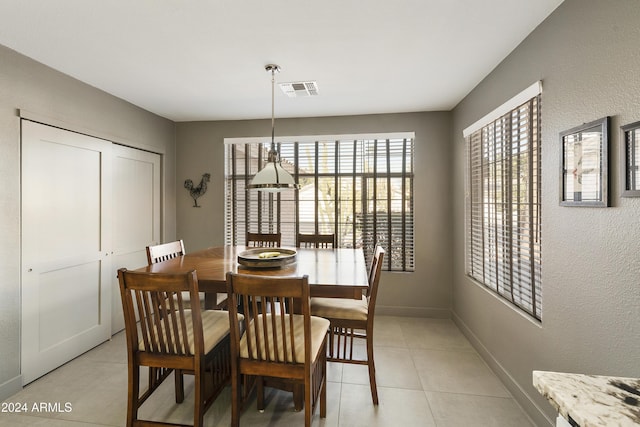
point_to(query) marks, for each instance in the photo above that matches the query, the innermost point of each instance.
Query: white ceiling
(204, 59)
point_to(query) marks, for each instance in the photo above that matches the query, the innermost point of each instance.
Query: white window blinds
(360, 189)
(503, 206)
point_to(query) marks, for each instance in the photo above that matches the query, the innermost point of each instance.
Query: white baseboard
(438, 313)
(10, 387)
(522, 398)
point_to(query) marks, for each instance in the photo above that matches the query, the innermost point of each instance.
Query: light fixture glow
(273, 177)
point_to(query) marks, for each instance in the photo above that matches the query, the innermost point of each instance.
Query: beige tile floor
(428, 375)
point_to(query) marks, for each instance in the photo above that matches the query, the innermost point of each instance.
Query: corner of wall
(522, 398)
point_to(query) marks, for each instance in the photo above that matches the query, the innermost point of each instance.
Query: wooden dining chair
(349, 317)
(165, 336)
(316, 241)
(276, 342)
(268, 240)
(167, 251)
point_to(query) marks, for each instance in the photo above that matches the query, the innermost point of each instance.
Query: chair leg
(235, 400)
(134, 392)
(298, 397)
(179, 385)
(260, 393)
(331, 341)
(198, 400)
(372, 368)
(308, 409)
(323, 393)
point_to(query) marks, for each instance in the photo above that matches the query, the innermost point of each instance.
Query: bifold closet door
(136, 215)
(66, 238)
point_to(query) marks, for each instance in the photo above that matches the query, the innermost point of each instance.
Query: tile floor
(428, 375)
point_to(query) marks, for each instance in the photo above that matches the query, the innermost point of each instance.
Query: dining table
(334, 273)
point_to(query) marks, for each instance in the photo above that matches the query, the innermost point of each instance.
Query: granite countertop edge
(591, 400)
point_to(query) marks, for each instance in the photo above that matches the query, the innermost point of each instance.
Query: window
(358, 187)
(503, 206)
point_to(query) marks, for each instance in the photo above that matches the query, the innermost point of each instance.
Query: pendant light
(273, 178)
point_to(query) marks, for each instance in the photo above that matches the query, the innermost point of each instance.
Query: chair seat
(319, 327)
(215, 327)
(340, 308)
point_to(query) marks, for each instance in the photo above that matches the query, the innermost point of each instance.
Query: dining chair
(164, 336)
(353, 319)
(316, 241)
(269, 240)
(167, 251)
(278, 341)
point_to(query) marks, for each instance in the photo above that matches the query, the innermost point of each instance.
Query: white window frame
(284, 207)
(503, 210)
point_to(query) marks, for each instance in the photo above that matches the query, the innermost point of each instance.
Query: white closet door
(66, 237)
(136, 215)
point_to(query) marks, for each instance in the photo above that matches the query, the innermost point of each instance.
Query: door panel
(62, 195)
(58, 323)
(66, 236)
(136, 216)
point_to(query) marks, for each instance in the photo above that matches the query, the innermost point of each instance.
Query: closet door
(66, 238)
(136, 215)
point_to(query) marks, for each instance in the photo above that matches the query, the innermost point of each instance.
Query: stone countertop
(591, 400)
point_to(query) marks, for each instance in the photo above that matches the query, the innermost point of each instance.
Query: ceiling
(204, 59)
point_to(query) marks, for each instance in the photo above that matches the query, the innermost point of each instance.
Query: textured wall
(586, 53)
(28, 85)
(427, 291)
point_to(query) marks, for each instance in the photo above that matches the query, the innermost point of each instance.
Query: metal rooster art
(199, 190)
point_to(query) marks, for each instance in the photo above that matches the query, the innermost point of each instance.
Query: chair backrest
(165, 251)
(374, 279)
(156, 321)
(270, 240)
(316, 240)
(270, 327)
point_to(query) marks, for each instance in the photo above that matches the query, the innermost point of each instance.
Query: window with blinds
(359, 189)
(503, 207)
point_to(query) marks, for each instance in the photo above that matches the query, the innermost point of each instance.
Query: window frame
(490, 247)
(404, 259)
(629, 160)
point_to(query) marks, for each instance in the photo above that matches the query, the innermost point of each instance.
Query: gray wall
(61, 100)
(427, 291)
(587, 56)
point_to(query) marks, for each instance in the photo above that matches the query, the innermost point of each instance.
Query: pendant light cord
(273, 154)
(269, 178)
(273, 120)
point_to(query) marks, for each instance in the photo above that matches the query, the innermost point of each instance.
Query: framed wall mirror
(630, 160)
(585, 165)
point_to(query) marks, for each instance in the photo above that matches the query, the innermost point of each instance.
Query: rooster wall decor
(198, 191)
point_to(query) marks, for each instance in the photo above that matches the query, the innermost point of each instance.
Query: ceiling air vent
(299, 89)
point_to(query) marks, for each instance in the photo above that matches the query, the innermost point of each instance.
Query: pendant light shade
(273, 178)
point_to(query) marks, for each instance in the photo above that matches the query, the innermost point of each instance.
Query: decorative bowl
(267, 257)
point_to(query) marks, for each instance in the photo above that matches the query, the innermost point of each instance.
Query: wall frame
(584, 165)
(630, 160)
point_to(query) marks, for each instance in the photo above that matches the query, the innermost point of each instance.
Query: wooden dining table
(335, 273)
